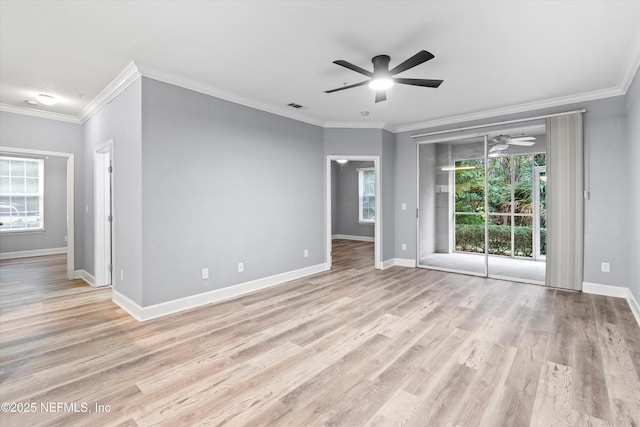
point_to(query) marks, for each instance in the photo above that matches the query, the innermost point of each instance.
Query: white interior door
(103, 216)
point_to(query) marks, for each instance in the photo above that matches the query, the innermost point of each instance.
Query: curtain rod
(506, 122)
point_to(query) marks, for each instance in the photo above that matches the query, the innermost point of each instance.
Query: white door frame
(103, 203)
(70, 199)
(378, 224)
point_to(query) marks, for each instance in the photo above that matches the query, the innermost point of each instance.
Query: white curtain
(565, 202)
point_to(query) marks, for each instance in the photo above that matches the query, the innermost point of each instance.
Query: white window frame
(40, 193)
(361, 220)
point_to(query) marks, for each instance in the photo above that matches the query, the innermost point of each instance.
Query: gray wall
(120, 120)
(55, 213)
(18, 131)
(607, 213)
(346, 210)
(633, 188)
(388, 192)
(224, 183)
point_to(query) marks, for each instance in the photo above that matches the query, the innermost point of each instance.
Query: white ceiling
(494, 56)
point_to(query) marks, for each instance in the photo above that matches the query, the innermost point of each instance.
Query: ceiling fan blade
(418, 82)
(525, 141)
(522, 143)
(498, 147)
(352, 67)
(347, 87)
(381, 95)
(417, 59)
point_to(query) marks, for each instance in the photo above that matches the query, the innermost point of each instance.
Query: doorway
(70, 196)
(103, 217)
(369, 212)
(482, 205)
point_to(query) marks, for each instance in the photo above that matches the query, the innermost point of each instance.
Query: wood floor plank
(350, 347)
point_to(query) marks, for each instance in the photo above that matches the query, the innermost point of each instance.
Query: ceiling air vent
(294, 105)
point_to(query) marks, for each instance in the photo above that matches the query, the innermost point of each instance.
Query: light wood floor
(350, 347)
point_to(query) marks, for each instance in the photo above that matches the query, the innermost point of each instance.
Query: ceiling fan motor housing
(381, 66)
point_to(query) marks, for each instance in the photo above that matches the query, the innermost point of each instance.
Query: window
(367, 195)
(21, 194)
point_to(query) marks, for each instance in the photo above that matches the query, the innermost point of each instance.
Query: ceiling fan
(382, 78)
(500, 143)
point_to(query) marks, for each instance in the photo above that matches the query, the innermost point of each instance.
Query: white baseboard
(402, 262)
(32, 253)
(217, 295)
(388, 263)
(127, 305)
(350, 237)
(399, 262)
(633, 304)
(605, 290)
(86, 276)
(614, 291)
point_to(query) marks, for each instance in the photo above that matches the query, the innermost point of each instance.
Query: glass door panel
(451, 206)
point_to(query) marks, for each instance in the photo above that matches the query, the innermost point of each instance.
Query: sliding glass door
(482, 206)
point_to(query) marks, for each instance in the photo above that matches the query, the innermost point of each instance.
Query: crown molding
(521, 108)
(25, 111)
(220, 93)
(113, 89)
(632, 65)
(356, 125)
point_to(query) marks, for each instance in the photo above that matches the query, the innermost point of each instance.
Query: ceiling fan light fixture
(382, 83)
(458, 168)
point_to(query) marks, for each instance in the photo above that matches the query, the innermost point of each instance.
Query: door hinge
(417, 213)
(110, 267)
(110, 218)
(110, 170)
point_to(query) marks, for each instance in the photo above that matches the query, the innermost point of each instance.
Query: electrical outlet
(122, 275)
(306, 253)
(404, 206)
(240, 267)
(404, 246)
(605, 267)
(205, 273)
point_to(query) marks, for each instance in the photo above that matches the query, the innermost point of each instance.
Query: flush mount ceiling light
(382, 83)
(457, 168)
(46, 99)
(341, 161)
(32, 102)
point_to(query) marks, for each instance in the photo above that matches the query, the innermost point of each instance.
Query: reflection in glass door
(451, 206)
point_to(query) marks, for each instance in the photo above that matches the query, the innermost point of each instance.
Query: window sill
(367, 222)
(29, 231)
